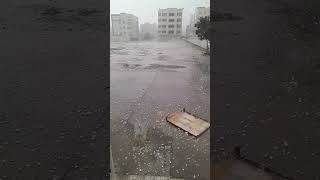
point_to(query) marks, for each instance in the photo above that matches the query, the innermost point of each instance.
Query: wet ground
(149, 80)
(53, 75)
(266, 84)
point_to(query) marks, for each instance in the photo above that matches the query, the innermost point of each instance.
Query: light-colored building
(125, 26)
(148, 29)
(170, 22)
(199, 12)
(188, 30)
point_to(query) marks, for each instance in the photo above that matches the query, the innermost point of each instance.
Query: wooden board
(189, 123)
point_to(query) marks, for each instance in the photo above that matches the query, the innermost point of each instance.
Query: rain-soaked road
(149, 80)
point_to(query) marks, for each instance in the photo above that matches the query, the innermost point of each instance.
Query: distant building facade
(148, 29)
(125, 26)
(199, 12)
(188, 30)
(170, 22)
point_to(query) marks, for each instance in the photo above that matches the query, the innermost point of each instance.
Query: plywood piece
(188, 122)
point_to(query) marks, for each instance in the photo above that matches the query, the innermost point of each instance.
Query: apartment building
(199, 12)
(170, 22)
(125, 26)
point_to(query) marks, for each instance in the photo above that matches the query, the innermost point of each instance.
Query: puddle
(130, 66)
(163, 57)
(159, 66)
(117, 49)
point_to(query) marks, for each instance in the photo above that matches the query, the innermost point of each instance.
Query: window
(164, 14)
(170, 32)
(171, 20)
(178, 32)
(179, 20)
(159, 31)
(171, 14)
(159, 14)
(170, 26)
(123, 22)
(178, 25)
(164, 26)
(164, 32)
(164, 20)
(179, 14)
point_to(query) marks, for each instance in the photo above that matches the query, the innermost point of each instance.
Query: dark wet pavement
(52, 93)
(150, 80)
(266, 84)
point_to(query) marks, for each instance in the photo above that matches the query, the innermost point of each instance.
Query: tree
(203, 30)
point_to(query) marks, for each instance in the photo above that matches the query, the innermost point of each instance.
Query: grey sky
(147, 10)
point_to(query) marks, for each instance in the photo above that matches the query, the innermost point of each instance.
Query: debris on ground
(188, 122)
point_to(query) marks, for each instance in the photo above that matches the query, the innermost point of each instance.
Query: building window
(164, 20)
(170, 32)
(171, 20)
(164, 14)
(159, 20)
(179, 14)
(179, 20)
(178, 25)
(124, 22)
(159, 26)
(159, 14)
(163, 32)
(164, 26)
(170, 26)
(171, 14)
(159, 31)
(178, 32)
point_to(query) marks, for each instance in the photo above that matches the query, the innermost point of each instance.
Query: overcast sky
(147, 10)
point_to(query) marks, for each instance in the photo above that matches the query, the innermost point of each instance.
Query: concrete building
(199, 12)
(170, 22)
(148, 29)
(188, 30)
(125, 26)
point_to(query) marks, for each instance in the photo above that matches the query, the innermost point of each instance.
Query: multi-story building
(125, 26)
(188, 30)
(199, 12)
(170, 22)
(148, 29)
